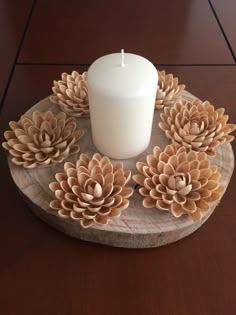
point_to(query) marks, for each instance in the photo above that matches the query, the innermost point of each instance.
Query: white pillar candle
(122, 90)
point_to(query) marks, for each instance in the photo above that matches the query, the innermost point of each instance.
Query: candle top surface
(135, 77)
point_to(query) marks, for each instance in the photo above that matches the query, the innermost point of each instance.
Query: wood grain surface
(43, 271)
(137, 227)
(225, 11)
(13, 20)
(178, 33)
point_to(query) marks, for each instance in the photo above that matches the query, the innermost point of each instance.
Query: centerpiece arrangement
(137, 159)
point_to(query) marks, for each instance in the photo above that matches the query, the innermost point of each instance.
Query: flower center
(179, 183)
(196, 127)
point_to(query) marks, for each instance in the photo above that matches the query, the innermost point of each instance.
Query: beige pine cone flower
(178, 181)
(71, 94)
(92, 191)
(196, 125)
(168, 91)
(41, 140)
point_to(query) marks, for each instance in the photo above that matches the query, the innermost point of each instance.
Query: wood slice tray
(137, 227)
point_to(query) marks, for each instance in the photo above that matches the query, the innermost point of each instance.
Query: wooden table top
(43, 271)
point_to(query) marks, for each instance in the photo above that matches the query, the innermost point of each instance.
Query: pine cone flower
(71, 94)
(178, 181)
(196, 126)
(41, 140)
(168, 91)
(92, 191)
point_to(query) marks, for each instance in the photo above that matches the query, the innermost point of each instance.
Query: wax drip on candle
(122, 58)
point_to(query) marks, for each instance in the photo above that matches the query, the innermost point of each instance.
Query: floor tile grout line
(17, 54)
(222, 30)
(155, 64)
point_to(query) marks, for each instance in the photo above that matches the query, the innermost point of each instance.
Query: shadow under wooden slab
(177, 32)
(226, 11)
(13, 20)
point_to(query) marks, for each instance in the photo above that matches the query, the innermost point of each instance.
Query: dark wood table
(43, 271)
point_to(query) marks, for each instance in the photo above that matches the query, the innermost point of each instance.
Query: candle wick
(122, 58)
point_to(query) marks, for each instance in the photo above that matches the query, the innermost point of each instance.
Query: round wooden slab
(137, 227)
